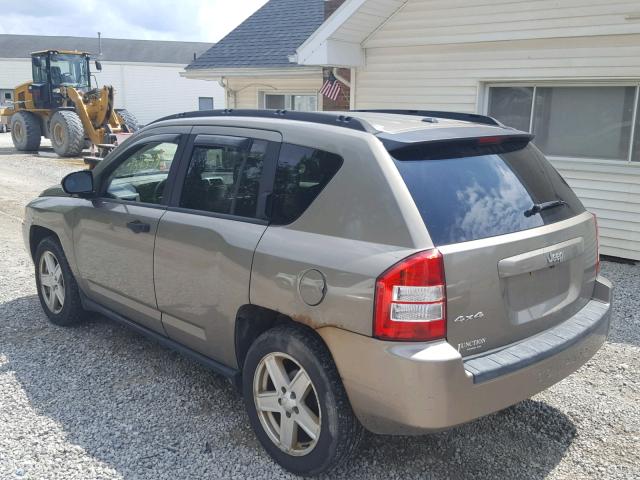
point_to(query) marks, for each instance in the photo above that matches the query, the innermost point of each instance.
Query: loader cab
(53, 69)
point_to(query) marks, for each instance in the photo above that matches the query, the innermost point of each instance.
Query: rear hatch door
(519, 249)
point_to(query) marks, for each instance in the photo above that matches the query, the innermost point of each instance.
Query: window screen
(275, 102)
(592, 122)
(205, 103)
(512, 106)
(301, 175)
(587, 122)
(302, 103)
(225, 178)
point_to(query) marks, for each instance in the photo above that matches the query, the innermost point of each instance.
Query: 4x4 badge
(465, 318)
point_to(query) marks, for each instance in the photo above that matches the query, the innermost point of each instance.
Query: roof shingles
(113, 49)
(266, 38)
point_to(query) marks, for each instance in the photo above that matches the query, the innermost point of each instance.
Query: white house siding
(13, 72)
(423, 22)
(244, 91)
(441, 54)
(149, 91)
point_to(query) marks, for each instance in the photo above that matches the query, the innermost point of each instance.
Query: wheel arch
(37, 233)
(252, 321)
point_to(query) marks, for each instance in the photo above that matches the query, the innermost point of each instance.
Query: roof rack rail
(466, 117)
(335, 119)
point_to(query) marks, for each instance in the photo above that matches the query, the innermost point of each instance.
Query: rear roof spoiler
(479, 143)
(465, 117)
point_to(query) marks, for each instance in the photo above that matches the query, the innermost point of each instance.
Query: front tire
(296, 402)
(67, 133)
(26, 131)
(57, 288)
(128, 119)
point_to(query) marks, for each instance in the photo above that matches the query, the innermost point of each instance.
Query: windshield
(69, 70)
(487, 194)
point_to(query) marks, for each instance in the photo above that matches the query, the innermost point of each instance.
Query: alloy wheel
(51, 282)
(287, 404)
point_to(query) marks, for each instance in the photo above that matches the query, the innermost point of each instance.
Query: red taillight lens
(595, 221)
(410, 300)
(490, 140)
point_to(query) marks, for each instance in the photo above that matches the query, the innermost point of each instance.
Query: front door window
(142, 176)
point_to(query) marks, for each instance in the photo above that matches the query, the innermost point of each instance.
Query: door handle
(139, 227)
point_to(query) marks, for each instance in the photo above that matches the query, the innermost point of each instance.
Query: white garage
(145, 73)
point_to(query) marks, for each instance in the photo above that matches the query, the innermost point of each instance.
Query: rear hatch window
(512, 286)
(467, 194)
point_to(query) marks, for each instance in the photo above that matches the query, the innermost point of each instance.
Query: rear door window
(225, 178)
(485, 195)
(301, 174)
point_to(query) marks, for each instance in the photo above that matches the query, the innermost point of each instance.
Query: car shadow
(146, 412)
(525, 441)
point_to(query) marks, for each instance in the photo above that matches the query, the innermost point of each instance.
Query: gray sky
(193, 20)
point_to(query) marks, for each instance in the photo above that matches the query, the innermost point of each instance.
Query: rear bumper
(405, 388)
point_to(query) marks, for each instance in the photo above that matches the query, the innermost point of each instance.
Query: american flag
(331, 88)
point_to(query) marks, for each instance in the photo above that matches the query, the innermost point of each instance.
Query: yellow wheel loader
(61, 104)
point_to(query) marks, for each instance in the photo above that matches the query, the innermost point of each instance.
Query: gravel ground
(99, 402)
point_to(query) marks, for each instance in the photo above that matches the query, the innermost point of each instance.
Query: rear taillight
(595, 221)
(410, 300)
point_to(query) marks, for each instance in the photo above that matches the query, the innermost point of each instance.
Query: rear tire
(320, 405)
(67, 133)
(128, 119)
(57, 288)
(26, 131)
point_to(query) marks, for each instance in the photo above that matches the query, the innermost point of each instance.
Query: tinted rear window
(473, 197)
(301, 175)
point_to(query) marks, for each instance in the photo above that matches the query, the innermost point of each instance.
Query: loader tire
(26, 132)
(67, 133)
(128, 119)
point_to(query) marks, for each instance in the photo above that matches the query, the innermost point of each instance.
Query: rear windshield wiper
(539, 207)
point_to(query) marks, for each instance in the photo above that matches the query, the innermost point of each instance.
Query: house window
(286, 101)
(592, 122)
(205, 103)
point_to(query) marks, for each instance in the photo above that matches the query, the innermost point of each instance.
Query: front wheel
(296, 402)
(128, 119)
(67, 133)
(57, 288)
(26, 132)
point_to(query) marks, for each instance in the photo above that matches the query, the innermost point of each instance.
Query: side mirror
(98, 65)
(78, 183)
